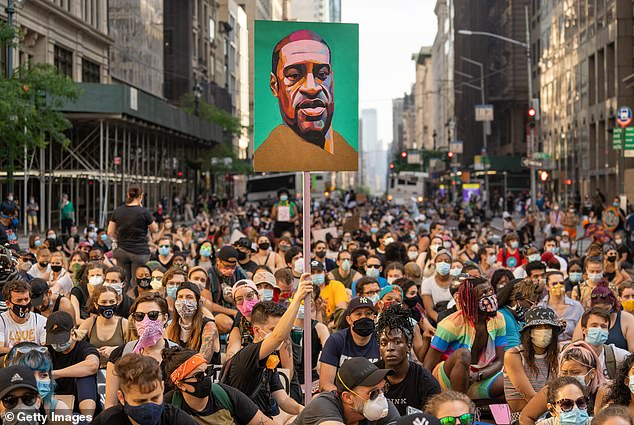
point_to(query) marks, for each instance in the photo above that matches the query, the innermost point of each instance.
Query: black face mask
(320, 254)
(363, 327)
(56, 269)
(106, 311)
(21, 310)
(242, 256)
(144, 282)
(611, 258)
(412, 301)
(202, 388)
(43, 263)
(264, 246)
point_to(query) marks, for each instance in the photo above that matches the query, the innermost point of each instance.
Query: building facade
(423, 96)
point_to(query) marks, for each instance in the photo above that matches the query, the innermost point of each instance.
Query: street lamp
(198, 92)
(527, 46)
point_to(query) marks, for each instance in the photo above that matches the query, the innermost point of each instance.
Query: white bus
(263, 189)
(406, 185)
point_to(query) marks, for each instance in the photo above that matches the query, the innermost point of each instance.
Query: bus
(263, 189)
(406, 185)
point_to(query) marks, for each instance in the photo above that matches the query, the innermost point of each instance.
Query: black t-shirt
(417, 387)
(82, 299)
(247, 373)
(132, 228)
(623, 249)
(82, 349)
(243, 407)
(327, 407)
(123, 309)
(249, 266)
(115, 416)
(8, 236)
(245, 328)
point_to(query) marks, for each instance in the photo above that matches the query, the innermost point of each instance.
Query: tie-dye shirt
(456, 332)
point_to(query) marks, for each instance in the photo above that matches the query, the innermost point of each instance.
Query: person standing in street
(68, 214)
(129, 226)
(32, 210)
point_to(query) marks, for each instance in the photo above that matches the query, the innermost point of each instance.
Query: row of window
(90, 71)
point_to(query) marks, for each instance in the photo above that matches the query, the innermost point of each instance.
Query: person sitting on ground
(618, 392)
(20, 400)
(46, 302)
(116, 279)
(93, 276)
(223, 276)
(332, 291)
(140, 396)
(187, 374)
(19, 323)
(451, 407)
(246, 297)
(514, 300)
(358, 398)
(567, 403)
(472, 340)
(42, 268)
(59, 280)
(614, 415)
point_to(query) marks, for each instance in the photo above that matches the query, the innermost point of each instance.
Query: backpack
(610, 360)
(217, 391)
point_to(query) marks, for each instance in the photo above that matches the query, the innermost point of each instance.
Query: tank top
(347, 282)
(115, 340)
(537, 380)
(616, 336)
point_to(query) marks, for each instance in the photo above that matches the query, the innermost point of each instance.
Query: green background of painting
(343, 40)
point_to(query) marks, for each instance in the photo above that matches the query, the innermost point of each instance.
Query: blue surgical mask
(455, 272)
(45, 388)
(574, 417)
(595, 277)
(171, 291)
(284, 198)
(37, 243)
(205, 252)
(374, 298)
(372, 272)
(146, 414)
(631, 384)
(104, 237)
(514, 244)
(534, 257)
(61, 347)
(443, 268)
(597, 336)
(267, 294)
(318, 279)
(164, 251)
(575, 277)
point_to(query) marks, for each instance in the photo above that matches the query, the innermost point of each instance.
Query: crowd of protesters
(419, 314)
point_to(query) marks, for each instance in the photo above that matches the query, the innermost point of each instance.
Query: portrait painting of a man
(302, 81)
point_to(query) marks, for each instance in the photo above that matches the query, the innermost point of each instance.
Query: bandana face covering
(150, 332)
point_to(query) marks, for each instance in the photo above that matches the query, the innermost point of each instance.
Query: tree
(29, 104)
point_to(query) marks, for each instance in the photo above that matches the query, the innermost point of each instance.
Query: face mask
(488, 305)
(557, 290)
(106, 311)
(618, 241)
(628, 305)
(298, 267)
(363, 326)
(43, 264)
(205, 251)
(148, 413)
(491, 259)
(475, 247)
(21, 310)
(374, 410)
(318, 279)
(61, 347)
(247, 307)
(95, 280)
(75, 268)
(411, 301)
(345, 265)
(92, 235)
(575, 277)
(264, 246)
(615, 204)
(171, 291)
(242, 256)
(267, 295)
(387, 241)
(455, 272)
(51, 236)
(574, 417)
(117, 287)
(412, 255)
(104, 238)
(202, 388)
(581, 379)
(56, 269)
(611, 258)
(374, 230)
(374, 298)
(164, 251)
(168, 225)
(631, 384)
(518, 311)
(156, 284)
(542, 337)
(373, 272)
(320, 254)
(25, 266)
(44, 388)
(595, 277)
(284, 248)
(443, 268)
(446, 244)
(37, 243)
(597, 336)
(534, 257)
(434, 248)
(514, 244)
(144, 282)
(186, 308)
(284, 198)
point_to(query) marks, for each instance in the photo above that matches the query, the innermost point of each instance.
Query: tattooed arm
(210, 341)
(286, 357)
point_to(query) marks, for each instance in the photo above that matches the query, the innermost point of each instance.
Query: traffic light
(532, 115)
(544, 175)
(404, 154)
(450, 155)
(391, 166)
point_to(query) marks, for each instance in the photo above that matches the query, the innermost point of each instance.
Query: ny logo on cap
(16, 377)
(420, 421)
(363, 300)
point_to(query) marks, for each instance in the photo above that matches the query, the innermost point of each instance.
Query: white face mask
(95, 280)
(298, 267)
(491, 259)
(542, 337)
(156, 284)
(116, 286)
(387, 241)
(412, 255)
(376, 409)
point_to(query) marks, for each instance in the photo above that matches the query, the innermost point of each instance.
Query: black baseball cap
(317, 266)
(228, 254)
(361, 302)
(245, 243)
(14, 377)
(58, 327)
(39, 288)
(359, 371)
(418, 419)
(191, 286)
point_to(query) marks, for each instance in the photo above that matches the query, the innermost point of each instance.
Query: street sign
(456, 146)
(484, 112)
(617, 139)
(624, 117)
(117, 160)
(527, 163)
(541, 155)
(629, 138)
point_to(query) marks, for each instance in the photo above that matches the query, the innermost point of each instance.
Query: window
(90, 72)
(64, 61)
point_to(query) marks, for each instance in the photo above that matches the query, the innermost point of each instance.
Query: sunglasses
(372, 266)
(139, 315)
(602, 296)
(27, 349)
(465, 419)
(567, 404)
(11, 401)
(197, 377)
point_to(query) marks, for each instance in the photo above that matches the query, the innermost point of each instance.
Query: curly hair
(395, 317)
(265, 309)
(618, 391)
(142, 371)
(558, 383)
(604, 415)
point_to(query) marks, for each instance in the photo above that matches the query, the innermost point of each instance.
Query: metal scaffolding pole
(101, 206)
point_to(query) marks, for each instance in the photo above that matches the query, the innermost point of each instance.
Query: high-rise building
(423, 91)
(374, 154)
(310, 10)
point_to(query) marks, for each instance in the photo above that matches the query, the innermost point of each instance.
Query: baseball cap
(418, 419)
(39, 288)
(245, 243)
(317, 266)
(191, 286)
(228, 254)
(361, 302)
(244, 282)
(58, 328)
(359, 371)
(14, 377)
(265, 276)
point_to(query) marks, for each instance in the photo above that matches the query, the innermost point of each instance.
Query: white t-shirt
(33, 330)
(34, 271)
(64, 284)
(619, 355)
(438, 293)
(519, 273)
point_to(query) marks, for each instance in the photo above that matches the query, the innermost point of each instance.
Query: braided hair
(395, 317)
(468, 299)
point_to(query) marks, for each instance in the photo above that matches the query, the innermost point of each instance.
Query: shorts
(477, 391)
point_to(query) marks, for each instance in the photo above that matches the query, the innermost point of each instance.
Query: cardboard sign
(320, 234)
(284, 213)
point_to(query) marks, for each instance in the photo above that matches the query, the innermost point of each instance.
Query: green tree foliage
(209, 112)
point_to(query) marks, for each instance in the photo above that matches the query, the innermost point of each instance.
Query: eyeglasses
(152, 315)
(249, 297)
(197, 377)
(372, 266)
(11, 401)
(465, 419)
(371, 293)
(28, 349)
(567, 404)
